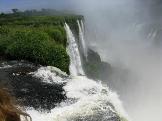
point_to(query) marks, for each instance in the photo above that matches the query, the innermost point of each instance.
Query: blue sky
(6, 5)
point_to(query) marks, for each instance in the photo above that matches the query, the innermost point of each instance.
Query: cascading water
(87, 100)
(72, 49)
(81, 37)
(82, 25)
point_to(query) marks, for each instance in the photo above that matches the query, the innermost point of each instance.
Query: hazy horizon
(8, 5)
(124, 33)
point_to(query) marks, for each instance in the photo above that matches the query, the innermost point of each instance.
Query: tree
(15, 10)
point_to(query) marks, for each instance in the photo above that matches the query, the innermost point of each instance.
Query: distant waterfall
(81, 37)
(73, 51)
(82, 25)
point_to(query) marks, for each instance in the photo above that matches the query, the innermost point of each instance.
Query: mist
(127, 35)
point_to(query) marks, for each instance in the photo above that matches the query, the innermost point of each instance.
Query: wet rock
(28, 90)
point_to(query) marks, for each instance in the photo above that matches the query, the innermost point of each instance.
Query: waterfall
(82, 25)
(87, 100)
(73, 51)
(92, 95)
(81, 37)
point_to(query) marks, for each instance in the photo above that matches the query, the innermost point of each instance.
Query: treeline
(37, 18)
(39, 39)
(41, 12)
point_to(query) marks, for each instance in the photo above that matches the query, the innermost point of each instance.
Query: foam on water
(92, 101)
(87, 100)
(5, 66)
(50, 74)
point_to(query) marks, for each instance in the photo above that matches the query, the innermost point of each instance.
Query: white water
(50, 74)
(81, 37)
(73, 51)
(92, 102)
(87, 100)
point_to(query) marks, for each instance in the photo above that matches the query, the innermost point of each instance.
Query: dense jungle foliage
(36, 36)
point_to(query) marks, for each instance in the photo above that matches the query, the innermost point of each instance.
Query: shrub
(27, 45)
(4, 30)
(58, 57)
(4, 42)
(57, 33)
(37, 47)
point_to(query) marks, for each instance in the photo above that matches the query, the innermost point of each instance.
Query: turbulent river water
(63, 97)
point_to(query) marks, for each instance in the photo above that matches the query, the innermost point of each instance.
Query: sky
(7, 5)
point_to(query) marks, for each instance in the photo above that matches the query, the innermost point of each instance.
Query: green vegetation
(39, 39)
(95, 68)
(123, 119)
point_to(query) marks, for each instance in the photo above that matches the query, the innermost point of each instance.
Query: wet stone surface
(28, 90)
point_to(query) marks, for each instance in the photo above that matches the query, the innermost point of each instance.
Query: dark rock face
(93, 56)
(28, 90)
(95, 68)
